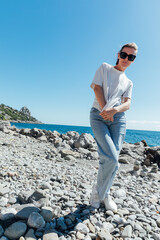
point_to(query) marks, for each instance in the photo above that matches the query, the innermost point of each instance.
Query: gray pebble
(15, 230)
(35, 220)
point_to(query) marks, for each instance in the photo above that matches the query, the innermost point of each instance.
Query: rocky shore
(19, 121)
(45, 183)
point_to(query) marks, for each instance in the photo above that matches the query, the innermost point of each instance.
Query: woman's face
(124, 63)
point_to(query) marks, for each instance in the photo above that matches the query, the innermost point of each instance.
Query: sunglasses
(131, 57)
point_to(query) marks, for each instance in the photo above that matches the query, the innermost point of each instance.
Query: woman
(113, 92)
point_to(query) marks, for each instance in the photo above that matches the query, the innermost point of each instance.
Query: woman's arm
(109, 113)
(124, 106)
(98, 90)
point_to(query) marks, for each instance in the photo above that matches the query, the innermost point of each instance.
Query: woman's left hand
(108, 114)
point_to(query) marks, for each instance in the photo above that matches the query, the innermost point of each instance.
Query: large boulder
(73, 135)
(35, 132)
(25, 131)
(152, 156)
(85, 141)
(4, 125)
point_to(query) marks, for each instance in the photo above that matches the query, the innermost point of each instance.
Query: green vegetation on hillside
(8, 113)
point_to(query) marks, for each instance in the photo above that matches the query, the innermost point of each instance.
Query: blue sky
(50, 50)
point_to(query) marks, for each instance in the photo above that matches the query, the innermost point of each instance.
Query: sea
(132, 136)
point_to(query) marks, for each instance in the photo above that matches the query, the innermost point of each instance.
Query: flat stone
(123, 212)
(132, 217)
(70, 158)
(141, 219)
(65, 152)
(26, 211)
(16, 230)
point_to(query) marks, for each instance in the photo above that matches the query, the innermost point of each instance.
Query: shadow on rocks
(73, 221)
(64, 225)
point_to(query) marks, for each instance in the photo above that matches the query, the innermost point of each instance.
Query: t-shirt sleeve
(98, 77)
(128, 92)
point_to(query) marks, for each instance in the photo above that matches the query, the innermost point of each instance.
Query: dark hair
(130, 45)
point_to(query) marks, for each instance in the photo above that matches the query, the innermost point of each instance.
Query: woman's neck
(119, 68)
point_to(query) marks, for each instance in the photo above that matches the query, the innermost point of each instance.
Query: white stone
(82, 228)
(50, 236)
(127, 232)
(120, 193)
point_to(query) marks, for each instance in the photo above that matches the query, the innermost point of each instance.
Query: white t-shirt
(115, 84)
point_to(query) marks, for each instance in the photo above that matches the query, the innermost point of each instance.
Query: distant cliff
(11, 114)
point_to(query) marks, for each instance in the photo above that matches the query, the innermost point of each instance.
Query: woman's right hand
(108, 114)
(111, 119)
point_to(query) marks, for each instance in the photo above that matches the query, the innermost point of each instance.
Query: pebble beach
(46, 180)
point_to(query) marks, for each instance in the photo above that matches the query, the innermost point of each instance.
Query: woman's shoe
(94, 199)
(110, 204)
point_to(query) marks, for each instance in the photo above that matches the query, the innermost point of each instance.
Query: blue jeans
(109, 137)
